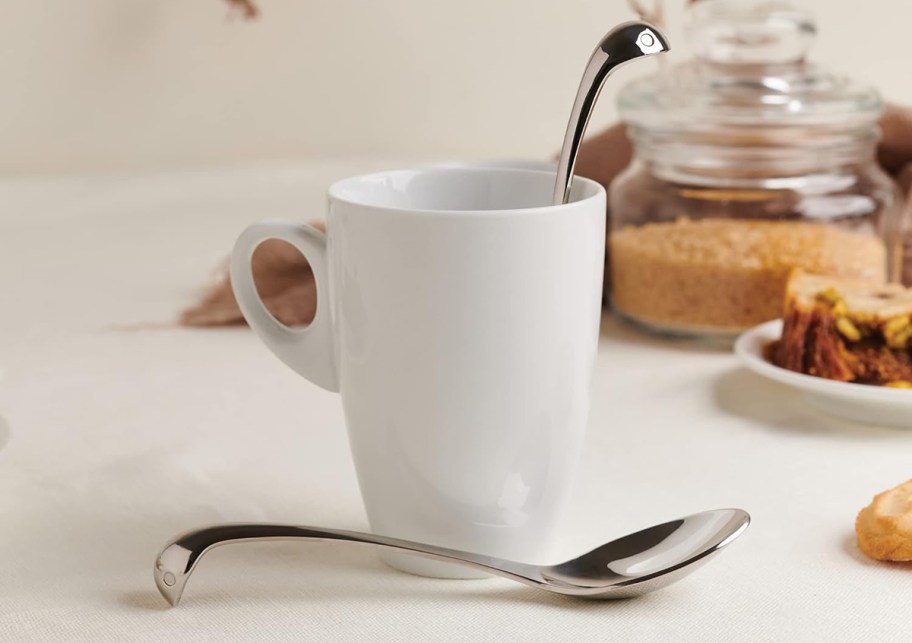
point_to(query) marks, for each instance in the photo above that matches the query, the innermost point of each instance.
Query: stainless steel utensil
(623, 44)
(636, 564)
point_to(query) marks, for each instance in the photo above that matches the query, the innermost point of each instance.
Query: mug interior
(458, 189)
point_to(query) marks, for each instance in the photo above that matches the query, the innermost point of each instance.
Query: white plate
(859, 402)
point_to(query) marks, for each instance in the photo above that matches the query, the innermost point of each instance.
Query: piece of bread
(884, 528)
(846, 330)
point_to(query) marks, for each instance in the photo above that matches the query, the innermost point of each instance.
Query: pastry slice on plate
(845, 330)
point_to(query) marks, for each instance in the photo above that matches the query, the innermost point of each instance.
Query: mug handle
(309, 350)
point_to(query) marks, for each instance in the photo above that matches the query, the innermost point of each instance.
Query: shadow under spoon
(630, 566)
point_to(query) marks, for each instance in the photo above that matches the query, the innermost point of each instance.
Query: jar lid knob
(750, 31)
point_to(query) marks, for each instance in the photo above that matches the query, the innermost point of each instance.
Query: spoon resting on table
(630, 566)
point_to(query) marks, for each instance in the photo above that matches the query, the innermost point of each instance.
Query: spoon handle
(623, 44)
(587, 95)
(179, 557)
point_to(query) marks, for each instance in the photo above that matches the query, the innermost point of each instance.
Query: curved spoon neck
(180, 557)
(623, 44)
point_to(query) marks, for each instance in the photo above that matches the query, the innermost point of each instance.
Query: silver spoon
(636, 564)
(623, 44)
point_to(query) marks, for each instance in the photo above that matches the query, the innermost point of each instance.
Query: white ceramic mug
(458, 316)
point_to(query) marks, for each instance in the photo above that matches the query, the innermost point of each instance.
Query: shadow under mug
(458, 317)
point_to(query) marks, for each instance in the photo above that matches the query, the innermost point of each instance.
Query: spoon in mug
(630, 566)
(623, 44)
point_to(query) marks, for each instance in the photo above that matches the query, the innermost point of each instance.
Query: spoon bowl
(636, 564)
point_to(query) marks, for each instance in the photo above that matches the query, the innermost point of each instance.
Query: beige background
(127, 85)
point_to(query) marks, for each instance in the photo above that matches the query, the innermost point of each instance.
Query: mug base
(429, 568)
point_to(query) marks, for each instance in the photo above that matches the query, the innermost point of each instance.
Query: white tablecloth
(119, 431)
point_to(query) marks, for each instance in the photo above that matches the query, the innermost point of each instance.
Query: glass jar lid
(750, 81)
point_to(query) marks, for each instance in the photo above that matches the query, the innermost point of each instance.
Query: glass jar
(749, 162)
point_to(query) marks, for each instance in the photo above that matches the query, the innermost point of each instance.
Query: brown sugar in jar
(727, 275)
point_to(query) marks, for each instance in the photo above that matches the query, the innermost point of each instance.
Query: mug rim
(592, 190)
